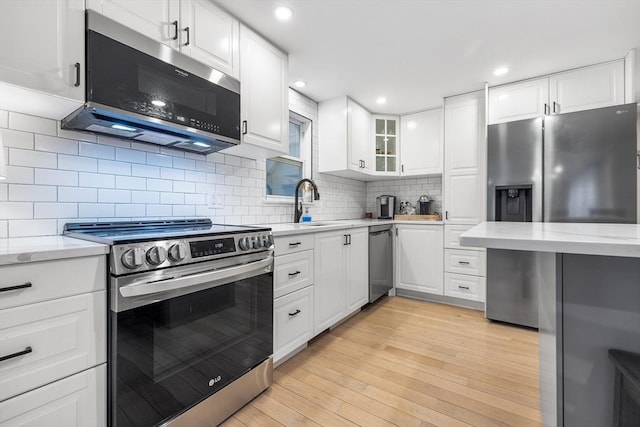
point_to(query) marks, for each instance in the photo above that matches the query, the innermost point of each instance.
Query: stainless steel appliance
(424, 203)
(380, 261)
(574, 167)
(190, 319)
(386, 207)
(142, 90)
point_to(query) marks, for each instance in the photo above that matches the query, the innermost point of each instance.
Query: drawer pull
(14, 288)
(294, 274)
(463, 287)
(295, 313)
(294, 244)
(17, 354)
(463, 262)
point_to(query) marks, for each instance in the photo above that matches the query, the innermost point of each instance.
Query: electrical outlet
(215, 200)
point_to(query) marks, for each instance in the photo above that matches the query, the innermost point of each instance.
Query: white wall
(56, 176)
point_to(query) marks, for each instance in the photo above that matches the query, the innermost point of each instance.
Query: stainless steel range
(191, 319)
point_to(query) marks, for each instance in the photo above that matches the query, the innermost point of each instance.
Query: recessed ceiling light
(300, 83)
(283, 13)
(500, 71)
(381, 100)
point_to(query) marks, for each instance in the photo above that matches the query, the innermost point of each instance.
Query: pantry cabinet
(42, 50)
(581, 89)
(419, 258)
(341, 262)
(197, 28)
(421, 149)
(464, 159)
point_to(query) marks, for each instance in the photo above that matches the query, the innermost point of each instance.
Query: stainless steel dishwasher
(380, 261)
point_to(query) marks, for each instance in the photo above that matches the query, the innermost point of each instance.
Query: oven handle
(145, 288)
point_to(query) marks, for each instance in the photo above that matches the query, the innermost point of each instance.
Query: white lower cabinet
(419, 258)
(464, 286)
(76, 401)
(292, 322)
(341, 262)
(465, 267)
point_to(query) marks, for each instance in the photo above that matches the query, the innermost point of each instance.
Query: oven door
(186, 333)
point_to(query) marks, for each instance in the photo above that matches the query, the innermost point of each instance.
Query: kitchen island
(589, 302)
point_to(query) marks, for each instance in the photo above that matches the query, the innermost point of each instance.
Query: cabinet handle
(16, 287)
(295, 313)
(175, 30)
(446, 214)
(244, 127)
(294, 244)
(554, 107)
(294, 274)
(364, 164)
(463, 262)
(77, 67)
(402, 168)
(16, 354)
(346, 240)
(188, 36)
(463, 287)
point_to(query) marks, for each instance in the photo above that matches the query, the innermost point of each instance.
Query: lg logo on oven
(212, 381)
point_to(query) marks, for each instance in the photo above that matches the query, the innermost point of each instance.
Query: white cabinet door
(357, 269)
(153, 18)
(518, 101)
(586, 88)
(213, 36)
(292, 321)
(329, 274)
(421, 143)
(419, 258)
(264, 99)
(43, 46)
(464, 174)
(358, 137)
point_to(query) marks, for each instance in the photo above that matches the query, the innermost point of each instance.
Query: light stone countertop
(18, 250)
(577, 238)
(287, 229)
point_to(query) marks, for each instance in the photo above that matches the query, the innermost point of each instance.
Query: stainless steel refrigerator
(574, 167)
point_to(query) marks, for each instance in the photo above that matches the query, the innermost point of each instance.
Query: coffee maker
(385, 206)
(424, 203)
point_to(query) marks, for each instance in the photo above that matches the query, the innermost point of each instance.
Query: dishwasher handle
(377, 233)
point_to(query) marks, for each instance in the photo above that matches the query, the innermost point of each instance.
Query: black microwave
(142, 90)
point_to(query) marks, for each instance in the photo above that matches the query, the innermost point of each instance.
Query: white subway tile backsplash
(24, 122)
(4, 192)
(4, 118)
(184, 187)
(224, 169)
(195, 156)
(171, 152)
(132, 156)
(205, 166)
(36, 159)
(112, 167)
(213, 178)
(19, 175)
(184, 210)
(172, 198)
(184, 163)
(173, 174)
(159, 185)
(53, 144)
(131, 183)
(97, 210)
(55, 210)
(88, 149)
(145, 197)
(4, 227)
(16, 210)
(130, 210)
(114, 142)
(195, 199)
(145, 171)
(32, 193)
(233, 161)
(17, 139)
(32, 227)
(114, 196)
(215, 157)
(76, 163)
(194, 176)
(78, 136)
(232, 180)
(56, 177)
(97, 180)
(159, 210)
(77, 194)
(140, 146)
(159, 160)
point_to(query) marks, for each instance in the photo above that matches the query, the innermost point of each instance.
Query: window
(284, 172)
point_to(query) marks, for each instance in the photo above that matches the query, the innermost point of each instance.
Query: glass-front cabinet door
(386, 144)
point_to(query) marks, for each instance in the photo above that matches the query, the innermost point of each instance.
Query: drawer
(65, 336)
(292, 321)
(464, 286)
(292, 272)
(51, 279)
(465, 262)
(290, 244)
(452, 235)
(77, 401)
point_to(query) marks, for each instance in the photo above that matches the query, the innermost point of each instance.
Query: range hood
(142, 90)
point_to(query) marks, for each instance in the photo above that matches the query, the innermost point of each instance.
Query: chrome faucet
(297, 213)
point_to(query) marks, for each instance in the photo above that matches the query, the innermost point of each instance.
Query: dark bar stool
(626, 403)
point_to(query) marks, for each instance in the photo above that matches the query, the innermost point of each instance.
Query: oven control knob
(132, 258)
(178, 252)
(156, 255)
(256, 242)
(267, 241)
(244, 244)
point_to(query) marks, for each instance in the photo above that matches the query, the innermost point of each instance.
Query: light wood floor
(406, 363)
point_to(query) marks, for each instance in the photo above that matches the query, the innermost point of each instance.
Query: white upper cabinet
(422, 143)
(581, 89)
(358, 137)
(386, 140)
(593, 87)
(42, 50)
(197, 28)
(464, 167)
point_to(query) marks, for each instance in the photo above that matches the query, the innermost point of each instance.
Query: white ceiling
(415, 52)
